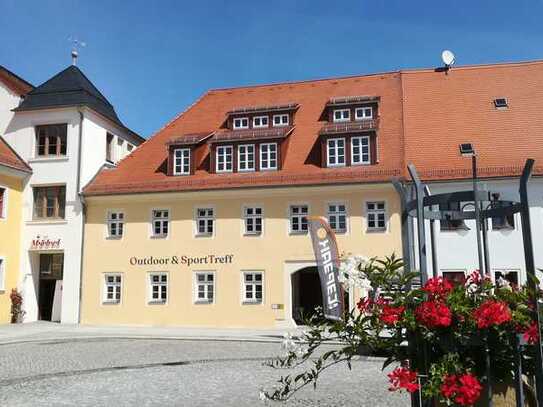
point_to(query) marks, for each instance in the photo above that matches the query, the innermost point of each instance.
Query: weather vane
(76, 44)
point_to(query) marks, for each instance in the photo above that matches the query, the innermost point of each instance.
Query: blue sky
(152, 58)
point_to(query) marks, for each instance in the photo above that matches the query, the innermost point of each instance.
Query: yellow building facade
(118, 270)
(11, 186)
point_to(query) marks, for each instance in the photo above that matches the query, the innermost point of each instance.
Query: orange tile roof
(442, 110)
(144, 169)
(14, 83)
(423, 116)
(9, 158)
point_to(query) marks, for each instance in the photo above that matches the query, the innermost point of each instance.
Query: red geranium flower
(464, 389)
(364, 304)
(391, 315)
(403, 378)
(492, 312)
(438, 287)
(531, 334)
(433, 314)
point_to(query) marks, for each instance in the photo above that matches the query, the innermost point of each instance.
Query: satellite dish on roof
(448, 58)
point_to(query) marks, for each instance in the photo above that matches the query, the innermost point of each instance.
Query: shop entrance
(50, 288)
(306, 293)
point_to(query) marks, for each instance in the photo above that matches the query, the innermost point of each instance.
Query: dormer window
(224, 158)
(280, 120)
(363, 113)
(360, 150)
(335, 155)
(342, 115)
(260, 121)
(241, 123)
(181, 165)
(268, 156)
(246, 157)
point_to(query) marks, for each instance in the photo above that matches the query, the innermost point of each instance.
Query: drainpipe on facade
(83, 212)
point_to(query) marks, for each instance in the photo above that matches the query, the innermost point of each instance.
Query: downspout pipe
(83, 212)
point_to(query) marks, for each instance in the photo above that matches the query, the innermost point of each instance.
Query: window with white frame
(363, 113)
(161, 222)
(181, 161)
(253, 286)
(342, 115)
(376, 216)
(280, 120)
(204, 287)
(3, 202)
(298, 218)
(115, 224)
(260, 121)
(335, 153)
(252, 216)
(158, 288)
(504, 278)
(205, 221)
(112, 288)
(241, 123)
(337, 217)
(246, 157)
(360, 150)
(224, 158)
(268, 156)
(2, 274)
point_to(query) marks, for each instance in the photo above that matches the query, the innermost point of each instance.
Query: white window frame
(4, 208)
(3, 273)
(163, 220)
(252, 217)
(268, 161)
(184, 161)
(342, 119)
(222, 151)
(150, 284)
(335, 150)
(361, 154)
(241, 126)
(259, 126)
(206, 284)
(205, 218)
(376, 212)
(253, 283)
(244, 157)
(282, 121)
(291, 216)
(364, 110)
(117, 221)
(336, 214)
(117, 288)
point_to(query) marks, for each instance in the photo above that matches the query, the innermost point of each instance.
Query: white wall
(8, 101)
(457, 250)
(20, 133)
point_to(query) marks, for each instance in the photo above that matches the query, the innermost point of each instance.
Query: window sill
(47, 222)
(158, 237)
(114, 238)
(199, 235)
(376, 230)
(298, 233)
(203, 302)
(157, 303)
(249, 234)
(252, 303)
(48, 159)
(111, 302)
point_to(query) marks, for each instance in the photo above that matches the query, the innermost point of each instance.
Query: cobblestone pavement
(167, 372)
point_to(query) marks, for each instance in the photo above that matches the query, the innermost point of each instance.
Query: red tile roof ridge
(482, 172)
(474, 66)
(302, 81)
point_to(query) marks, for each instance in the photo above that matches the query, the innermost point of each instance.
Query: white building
(66, 130)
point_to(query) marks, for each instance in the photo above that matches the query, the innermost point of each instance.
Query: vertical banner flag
(327, 256)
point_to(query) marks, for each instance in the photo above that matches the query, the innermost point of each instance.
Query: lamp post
(467, 150)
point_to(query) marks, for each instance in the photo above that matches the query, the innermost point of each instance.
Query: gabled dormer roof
(69, 88)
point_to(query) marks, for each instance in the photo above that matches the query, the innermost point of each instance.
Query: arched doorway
(306, 293)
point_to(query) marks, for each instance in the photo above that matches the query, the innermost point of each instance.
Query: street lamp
(467, 150)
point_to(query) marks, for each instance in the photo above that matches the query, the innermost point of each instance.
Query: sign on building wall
(41, 242)
(327, 256)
